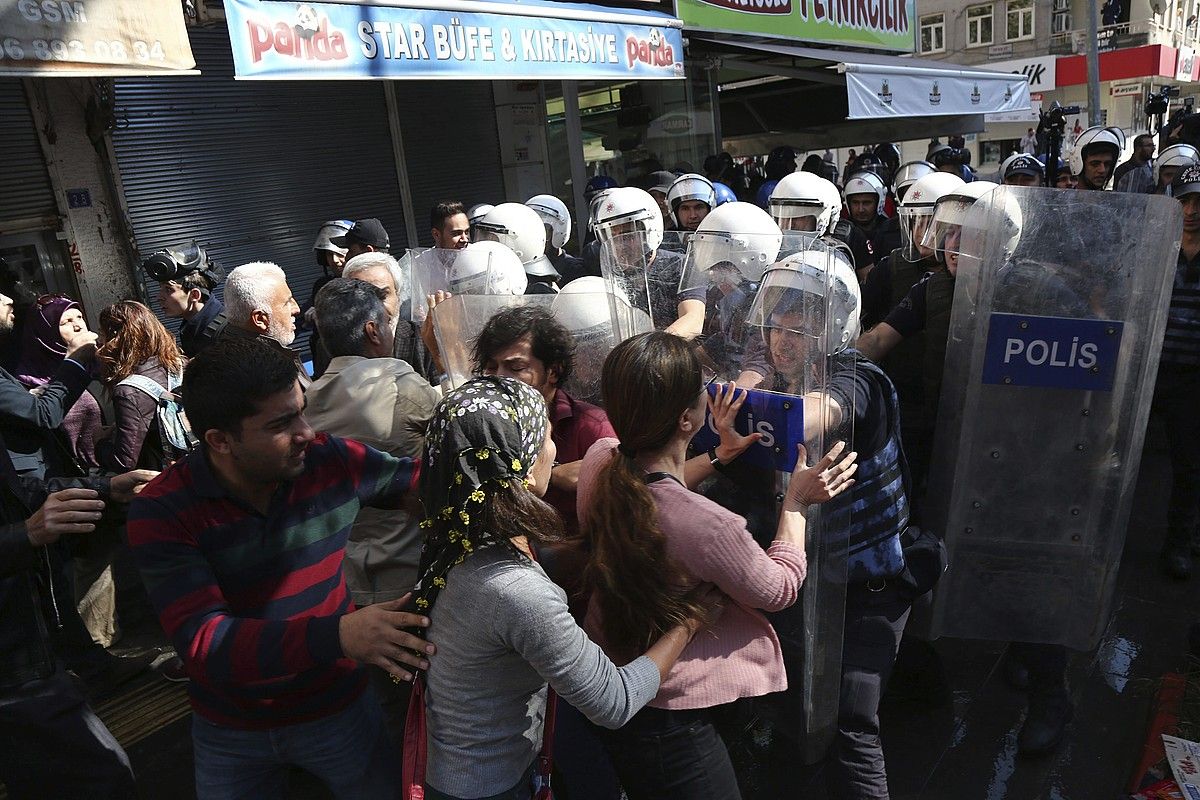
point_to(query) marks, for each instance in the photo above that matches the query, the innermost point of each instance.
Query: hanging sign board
(306, 41)
(93, 38)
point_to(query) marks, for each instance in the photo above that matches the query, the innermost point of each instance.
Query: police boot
(1046, 723)
(1016, 671)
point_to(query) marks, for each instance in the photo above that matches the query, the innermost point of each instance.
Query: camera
(1158, 103)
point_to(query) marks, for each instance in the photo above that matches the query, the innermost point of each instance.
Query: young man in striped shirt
(240, 546)
(1179, 384)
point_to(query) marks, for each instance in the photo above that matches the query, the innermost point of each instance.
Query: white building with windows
(1144, 45)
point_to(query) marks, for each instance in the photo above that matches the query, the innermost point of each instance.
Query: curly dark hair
(551, 342)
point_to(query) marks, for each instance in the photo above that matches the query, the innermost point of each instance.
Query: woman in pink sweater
(653, 539)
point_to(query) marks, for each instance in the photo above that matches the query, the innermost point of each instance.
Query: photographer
(186, 281)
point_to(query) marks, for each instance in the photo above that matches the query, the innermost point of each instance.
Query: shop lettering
(582, 48)
(52, 11)
(887, 16)
(1040, 352)
(653, 51)
(754, 6)
(296, 41)
(392, 39)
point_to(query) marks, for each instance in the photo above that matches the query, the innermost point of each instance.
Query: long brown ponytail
(647, 383)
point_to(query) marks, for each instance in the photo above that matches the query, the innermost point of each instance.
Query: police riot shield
(647, 278)
(1059, 309)
(586, 314)
(481, 268)
(796, 330)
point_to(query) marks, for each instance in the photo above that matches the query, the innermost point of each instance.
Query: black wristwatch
(716, 462)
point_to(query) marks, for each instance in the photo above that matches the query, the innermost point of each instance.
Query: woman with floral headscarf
(502, 628)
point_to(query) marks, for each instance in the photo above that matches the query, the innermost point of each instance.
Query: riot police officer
(186, 279)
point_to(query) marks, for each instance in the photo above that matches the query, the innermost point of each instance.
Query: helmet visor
(797, 215)
(716, 258)
(943, 234)
(914, 222)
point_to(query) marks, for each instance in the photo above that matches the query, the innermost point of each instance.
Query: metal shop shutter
(250, 169)
(25, 190)
(451, 146)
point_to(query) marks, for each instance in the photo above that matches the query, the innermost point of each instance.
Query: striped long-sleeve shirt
(252, 602)
(1181, 346)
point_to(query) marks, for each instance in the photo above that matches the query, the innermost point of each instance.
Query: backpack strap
(147, 385)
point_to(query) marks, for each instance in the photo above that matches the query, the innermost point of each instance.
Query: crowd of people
(422, 561)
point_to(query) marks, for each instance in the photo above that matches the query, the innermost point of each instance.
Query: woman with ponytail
(502, 628)
(653, 540)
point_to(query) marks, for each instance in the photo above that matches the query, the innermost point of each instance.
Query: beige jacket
(383, 403)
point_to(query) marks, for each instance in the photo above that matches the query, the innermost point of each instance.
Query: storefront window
(632, 129)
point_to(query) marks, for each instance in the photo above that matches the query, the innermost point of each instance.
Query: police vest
(839, 239)
(939, 301)
(875, 511)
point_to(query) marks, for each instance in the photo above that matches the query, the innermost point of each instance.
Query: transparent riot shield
(1060, 305)
(481, 268)
(458, 321)
(724, 269)
(647, 278)
(797, 328)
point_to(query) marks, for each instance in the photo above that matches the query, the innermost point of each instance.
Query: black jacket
(31, 422)
(28, 604)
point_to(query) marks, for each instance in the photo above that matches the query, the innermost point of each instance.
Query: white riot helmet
(943, 235)
(592, 317)
(1177, 156)
(801, 196)
(476, 213)
(735, 236)
(813, 294)
(690, 186)
(908, 174)
(486, 268)
(516, 226)
(916, 209)
(1092, 139)
(627, 209)
(336, 227)
(865, 183)
(554, 213)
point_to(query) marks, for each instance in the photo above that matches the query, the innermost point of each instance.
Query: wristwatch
(716, 462)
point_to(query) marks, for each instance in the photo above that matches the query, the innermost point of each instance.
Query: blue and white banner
(305, 41)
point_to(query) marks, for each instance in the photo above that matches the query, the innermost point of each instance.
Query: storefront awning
(774, 92)
(99, 38)
(437, 39)
(883, 87)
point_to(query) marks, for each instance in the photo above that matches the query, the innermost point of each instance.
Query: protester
(488, 457)
(373, 398)
(450, 226)
(141, 363)
(1142, 159)
(259, 304)
(241, 545)
(652, 539)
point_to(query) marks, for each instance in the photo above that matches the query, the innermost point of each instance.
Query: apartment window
(979, 25)
(1020, 19)
(1061, 22)
(933, 33)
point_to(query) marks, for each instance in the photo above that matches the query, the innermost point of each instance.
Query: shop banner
(877, 92)
(93, 38)
(305, 41)
(875, 24)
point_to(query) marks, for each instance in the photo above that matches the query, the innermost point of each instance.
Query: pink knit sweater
(739, 655)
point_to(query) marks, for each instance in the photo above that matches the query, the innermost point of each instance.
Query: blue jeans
(350, 751)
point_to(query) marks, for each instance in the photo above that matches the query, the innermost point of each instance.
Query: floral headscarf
(483, 435)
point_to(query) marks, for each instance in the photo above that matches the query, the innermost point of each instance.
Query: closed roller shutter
(451, 145)
(251, 169)
(25, 190)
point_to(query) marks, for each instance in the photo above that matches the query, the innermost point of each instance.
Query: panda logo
(656, 39)
(307, 21)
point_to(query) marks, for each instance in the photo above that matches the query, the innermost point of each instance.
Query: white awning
(888, 87)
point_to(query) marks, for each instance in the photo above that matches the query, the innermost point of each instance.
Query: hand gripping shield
(586, 314)
(798, 322)
(1050, 367)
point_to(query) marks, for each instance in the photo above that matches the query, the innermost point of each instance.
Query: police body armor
(1049, 370)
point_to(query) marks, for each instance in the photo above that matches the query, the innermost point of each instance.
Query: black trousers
(53, 745)
(672, 754)
(874, 624)
(1175, 396)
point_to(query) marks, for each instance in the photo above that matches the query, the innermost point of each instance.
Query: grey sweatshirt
(502, 631)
